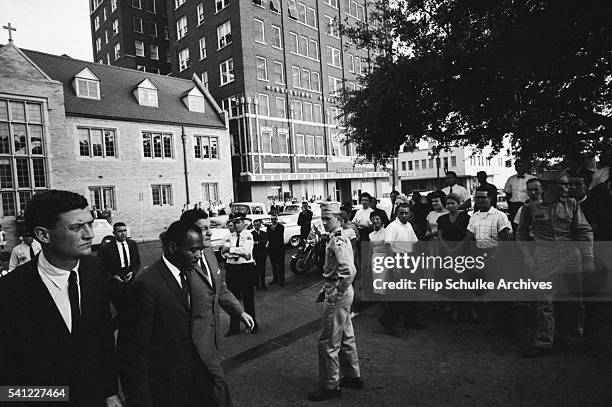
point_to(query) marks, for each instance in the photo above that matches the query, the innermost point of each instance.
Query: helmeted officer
(337, 349)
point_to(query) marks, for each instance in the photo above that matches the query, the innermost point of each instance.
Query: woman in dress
(452, 228)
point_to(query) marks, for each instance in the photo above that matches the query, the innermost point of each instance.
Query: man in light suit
(168, 344)
(55, 324)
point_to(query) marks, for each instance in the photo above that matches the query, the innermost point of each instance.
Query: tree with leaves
(473, 72)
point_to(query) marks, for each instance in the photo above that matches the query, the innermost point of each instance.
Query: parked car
(220, 232)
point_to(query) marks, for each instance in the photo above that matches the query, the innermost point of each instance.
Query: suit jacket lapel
(200, 269)
(172, 283)
(213, 266)
(44, 305)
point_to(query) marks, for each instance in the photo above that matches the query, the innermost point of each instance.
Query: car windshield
(240, 208)
(292, 209)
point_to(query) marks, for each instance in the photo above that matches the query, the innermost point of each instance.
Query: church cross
(9, 28)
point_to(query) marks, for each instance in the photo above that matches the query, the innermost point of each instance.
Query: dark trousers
(201, 388)
(260, 268)
(240, 281)
(277, 260)
(513, 208)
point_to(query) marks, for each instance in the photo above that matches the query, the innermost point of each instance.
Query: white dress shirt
(245, 246)
(463, 193)
(21, 254)
(124, 262)
(56, 281)
(401, 236)
(206, 269)
(174, 270)
(518, 187)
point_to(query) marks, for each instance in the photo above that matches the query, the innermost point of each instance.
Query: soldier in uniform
(337, 349)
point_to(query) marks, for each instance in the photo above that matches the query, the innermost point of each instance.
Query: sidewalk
(444, 365)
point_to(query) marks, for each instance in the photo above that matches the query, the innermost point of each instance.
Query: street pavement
(443, 365)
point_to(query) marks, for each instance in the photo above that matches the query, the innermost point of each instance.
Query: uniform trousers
(336, 347)
(240, 281)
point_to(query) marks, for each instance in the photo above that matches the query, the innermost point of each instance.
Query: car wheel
(295, 241)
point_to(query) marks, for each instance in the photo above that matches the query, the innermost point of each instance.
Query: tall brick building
(137, 143)
(275, 67)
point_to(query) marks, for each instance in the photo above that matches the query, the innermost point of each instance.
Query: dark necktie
(185, 287)
(75, 307)
(126, 259)
(451, 190)
(32, 254)
(237, 239)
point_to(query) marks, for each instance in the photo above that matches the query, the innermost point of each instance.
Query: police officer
(240, 267)
(337, 349)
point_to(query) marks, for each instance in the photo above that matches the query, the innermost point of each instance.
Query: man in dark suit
(276, 249)
(168, 345)
(121, 260)
(260, 253)
(304, 221)
(55, 324)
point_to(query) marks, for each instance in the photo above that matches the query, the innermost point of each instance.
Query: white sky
(52, 26)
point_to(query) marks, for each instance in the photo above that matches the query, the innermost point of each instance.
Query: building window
(313, 49)
(178, 3)
(262, 69)
(147, 97)
(94, 142)
(359, 66)
(305, 80)
(139, 45)
(264, 105)
(205, 79)
(317, 113)
(98, 44)
(87, 88)
(453, 161)
(141, 68)
(221, 4)
(115, 27)
(278, 73)
(136, 4)
(196, 103)
(210, 192)
(157, 145)
(151, 6)
(333, 57)
(350, 62)
(335, 85)
(227, 71)
(106, 36)
(152, 29)
(113, 5)
(161, 195)
(96, 22)
(206, 147)
(315, 82)
(295, 77)
(181, 27)
(166, 33)
(200, 12)
(260, 35)
(311, 17)
(299, 144)
(310, 145)
(117, 50)
(276, 37)
(230, 105)
(154, 52)
(293, 43)
(319, 145)
(266, 141)
(224, 34)
(280, 105)
(297, 110)
(307, 111)
(280, 142)
(202, 44)
(183, 58)
(303, 46)
(103, 197)
(137, 22)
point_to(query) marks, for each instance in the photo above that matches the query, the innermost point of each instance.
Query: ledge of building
(248, 177)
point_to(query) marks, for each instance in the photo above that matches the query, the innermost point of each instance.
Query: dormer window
(194, 100)
(87, 85)
(146, 93)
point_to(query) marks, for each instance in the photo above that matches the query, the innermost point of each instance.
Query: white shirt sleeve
(508, 186)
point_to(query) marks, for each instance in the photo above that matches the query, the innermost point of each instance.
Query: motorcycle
(310, 255)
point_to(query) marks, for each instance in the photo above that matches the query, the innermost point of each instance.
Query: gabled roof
(147, 84)
(87, 74)
(116, 98)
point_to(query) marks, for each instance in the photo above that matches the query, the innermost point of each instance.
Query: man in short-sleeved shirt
(516, 188)
(487, 224)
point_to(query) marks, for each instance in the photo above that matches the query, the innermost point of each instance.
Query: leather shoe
(230, 333)
(324, 394)
(352, 383)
